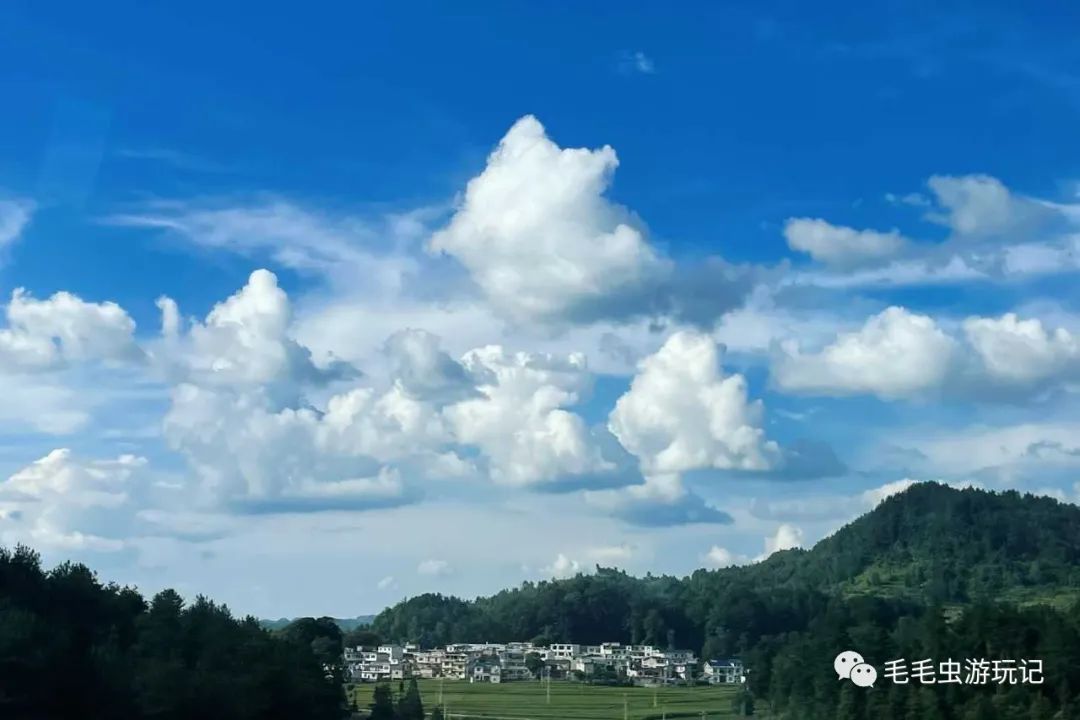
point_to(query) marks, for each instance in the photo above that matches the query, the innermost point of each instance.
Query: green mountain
(933, 572)
(933, 543)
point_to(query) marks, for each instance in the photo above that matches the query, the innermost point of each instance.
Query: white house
(726, 671)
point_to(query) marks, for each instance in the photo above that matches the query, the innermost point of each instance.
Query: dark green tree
(382, 703)
(411, 706)
(535, 664)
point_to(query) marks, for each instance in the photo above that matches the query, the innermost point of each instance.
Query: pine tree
(410, 706)
(382, 704)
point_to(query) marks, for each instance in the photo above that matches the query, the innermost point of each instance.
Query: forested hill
(930, 544)
(73, 647)
(936, 544)
(939, 544)
(933, 571)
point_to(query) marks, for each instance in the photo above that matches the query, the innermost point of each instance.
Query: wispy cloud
(14, 217)
(294, 236)
(637, 62)
(177, 159)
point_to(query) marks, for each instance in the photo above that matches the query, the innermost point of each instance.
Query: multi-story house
(729, 670)
(564, 650)
(485, 669)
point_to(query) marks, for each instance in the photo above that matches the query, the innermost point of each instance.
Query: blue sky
(368, 286)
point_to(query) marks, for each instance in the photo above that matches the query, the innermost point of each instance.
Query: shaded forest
(72, 647)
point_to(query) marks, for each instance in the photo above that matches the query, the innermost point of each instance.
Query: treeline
(72, 647)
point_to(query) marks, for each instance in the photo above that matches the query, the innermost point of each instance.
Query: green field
(569, 701)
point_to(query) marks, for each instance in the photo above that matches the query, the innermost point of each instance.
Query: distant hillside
(965, 545)
(930, 544)
(346, 624)
(933, 572)
(934, 543)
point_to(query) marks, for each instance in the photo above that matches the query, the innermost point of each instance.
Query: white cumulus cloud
(562, 568)
(47, 334)
(539, 237)
(1023, 351)
(786, 537)
(520, 422)
(64, 502)
(683, 413)
(896, 353)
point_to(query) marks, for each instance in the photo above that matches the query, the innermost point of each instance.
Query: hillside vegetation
(931, 572)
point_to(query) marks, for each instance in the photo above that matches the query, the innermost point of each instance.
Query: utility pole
(549, 686)
(442, 680)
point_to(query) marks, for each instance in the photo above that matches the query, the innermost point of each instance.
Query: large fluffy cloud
(896, 353)
(521, 425)
(683, 413)
(67, 503)
(538, 236)
(241, 416)
(244, 341)
(48, 350)
(1023, 352)
(47, 334)
(246, 452)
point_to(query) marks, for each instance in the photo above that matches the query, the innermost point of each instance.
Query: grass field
(569, 701)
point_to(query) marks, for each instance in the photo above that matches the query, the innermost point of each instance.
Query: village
(519, 661)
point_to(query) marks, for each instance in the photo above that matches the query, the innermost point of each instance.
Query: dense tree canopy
(71, 647)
